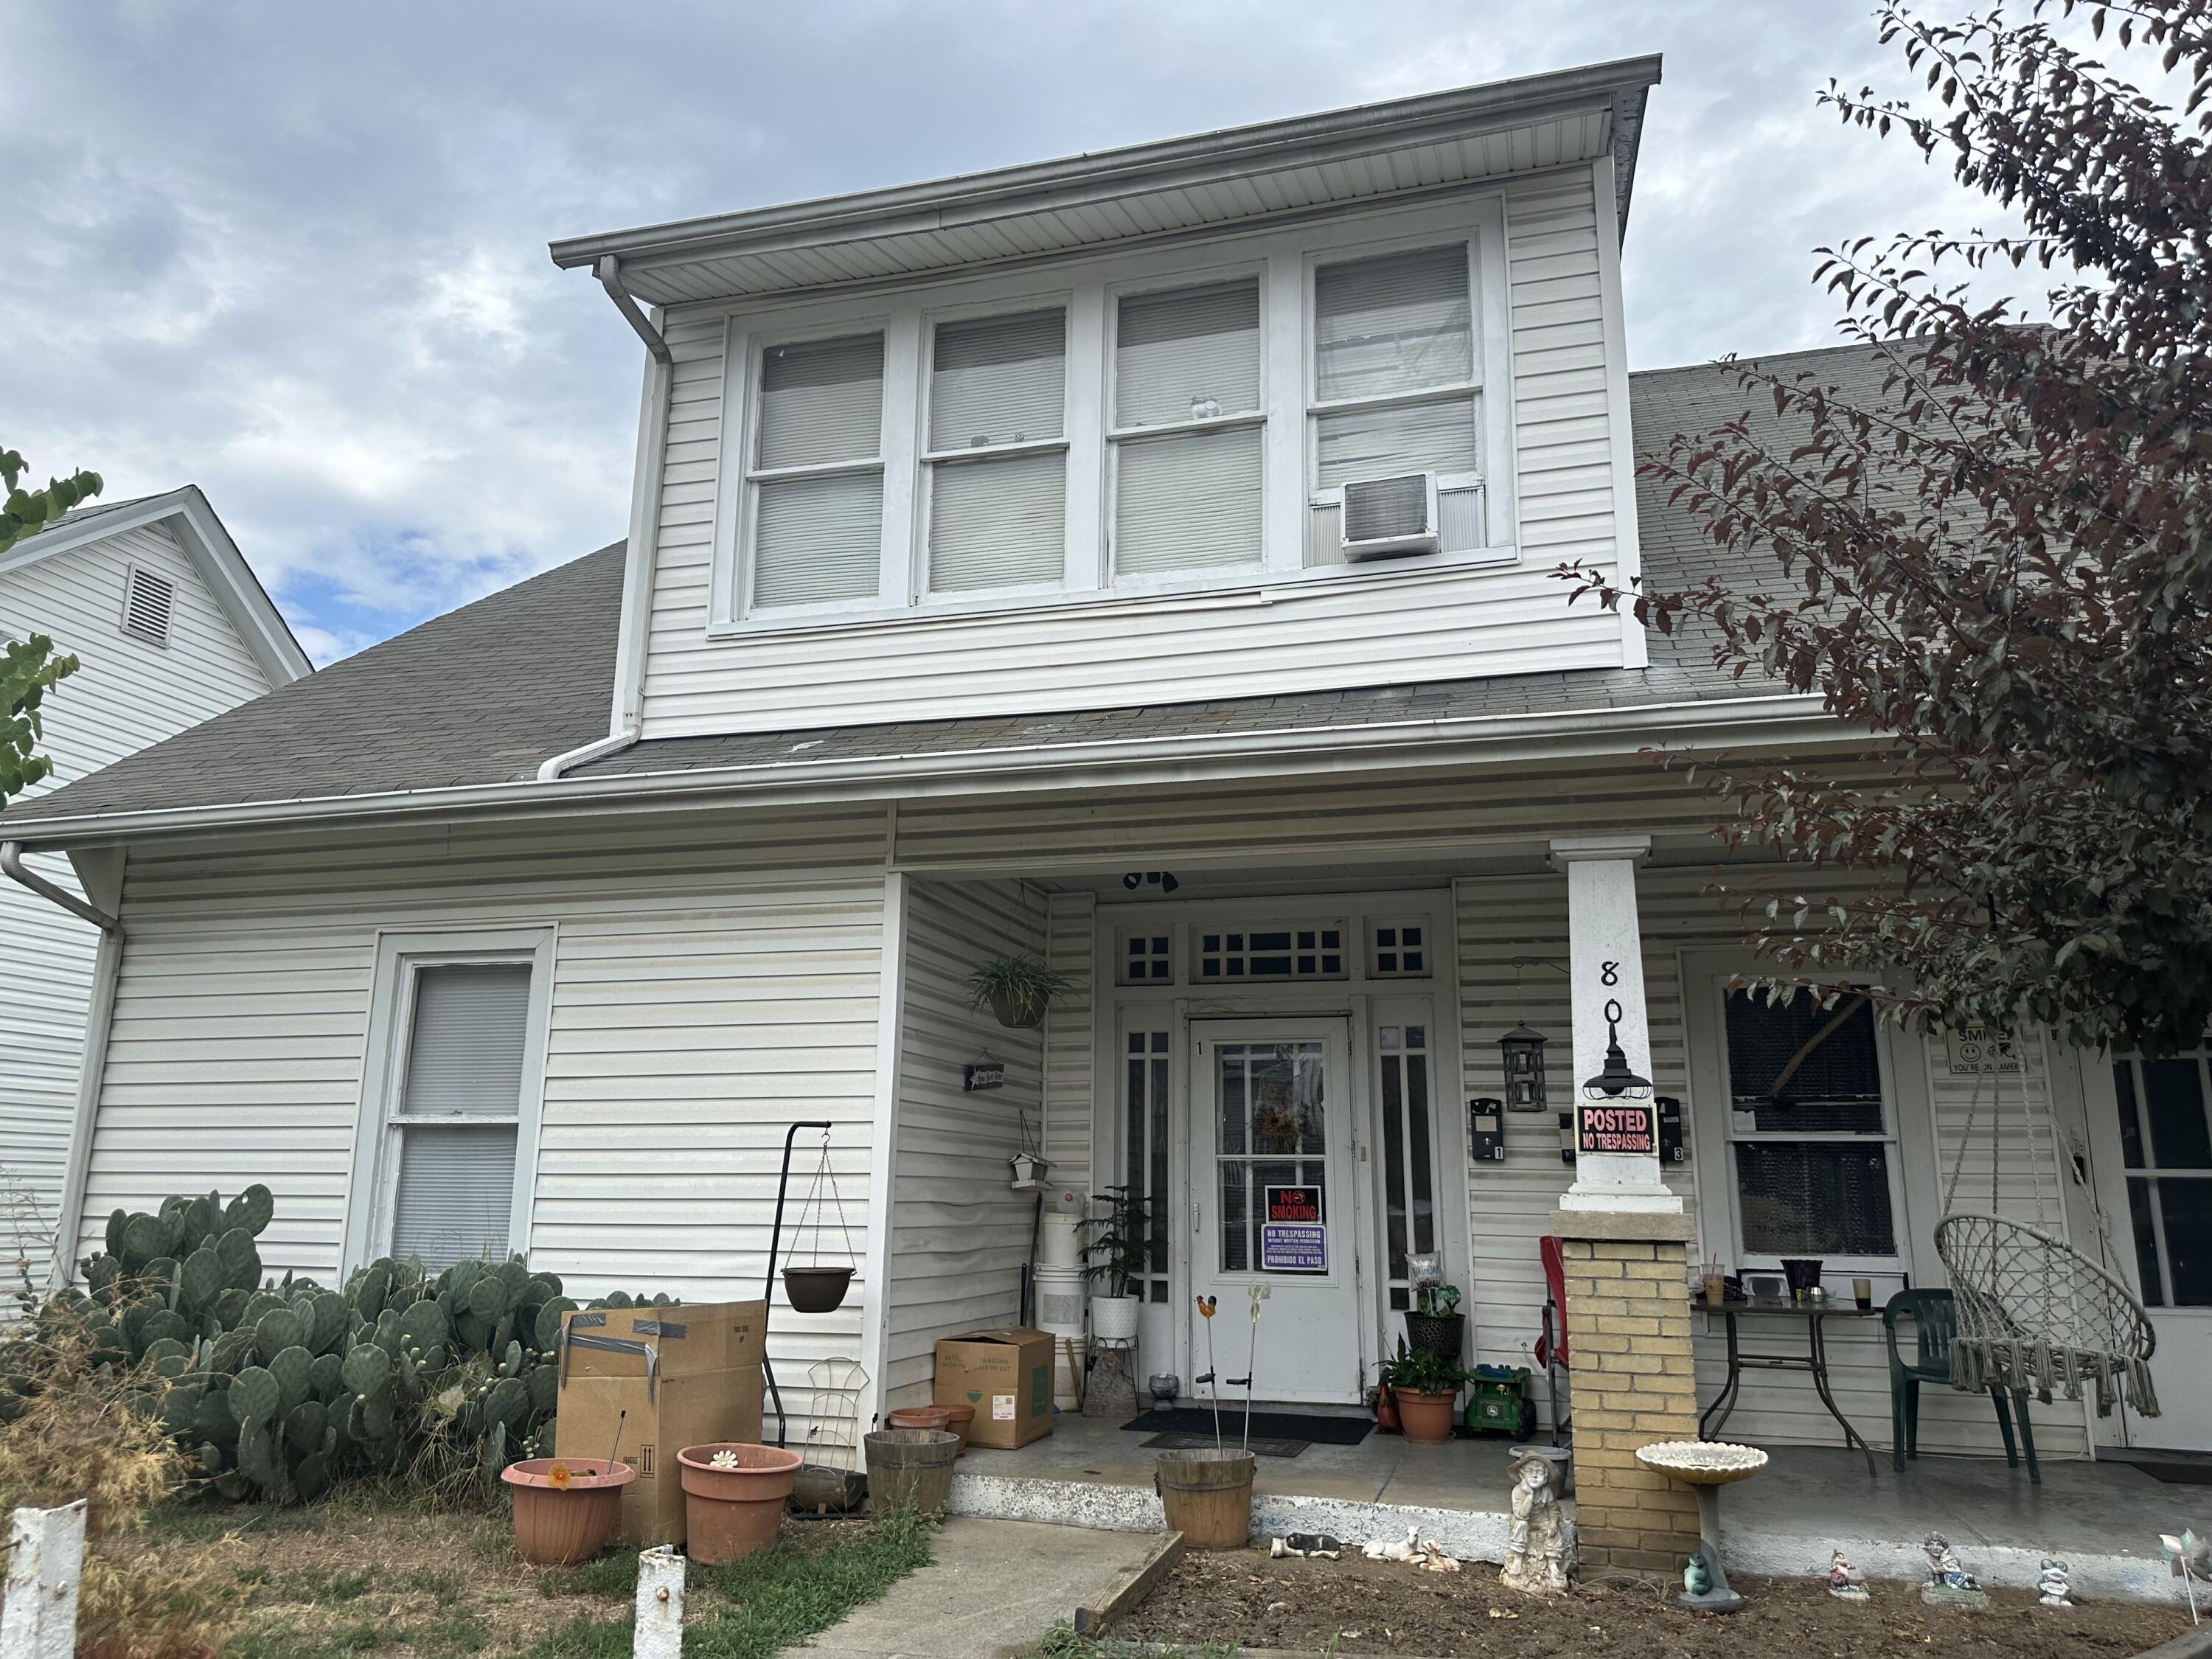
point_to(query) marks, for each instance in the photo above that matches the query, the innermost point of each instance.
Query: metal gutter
(1599, 731)
(608, 269)
(940, 203)
(12, 867)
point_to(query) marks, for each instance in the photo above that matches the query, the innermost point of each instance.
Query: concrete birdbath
(1705, 1467)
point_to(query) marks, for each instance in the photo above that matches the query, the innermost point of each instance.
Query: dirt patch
(1379, 1607)
(413, 1584)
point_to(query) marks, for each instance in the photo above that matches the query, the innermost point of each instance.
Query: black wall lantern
(1521, 1052)
(1616, 1081)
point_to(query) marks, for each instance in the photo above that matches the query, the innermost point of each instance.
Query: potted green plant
(1120, 1253)
(1018, 988)
(1426, 1387)
(1435, 1322)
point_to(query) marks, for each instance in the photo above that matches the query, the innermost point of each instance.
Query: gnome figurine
(1948, 1583)
(2050, 1585)
(1845, 1582)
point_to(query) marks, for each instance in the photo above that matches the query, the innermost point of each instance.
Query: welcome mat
(1312, 1427)
(2175, 1475)
(1229, 1442)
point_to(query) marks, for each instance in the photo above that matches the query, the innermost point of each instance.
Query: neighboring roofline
(1794, 720)
(261, 627)
(1042, 186)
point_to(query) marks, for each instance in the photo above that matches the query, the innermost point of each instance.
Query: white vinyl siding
(126, 693)
(1298, 620)
(465, 1054)
(997, 463)
(1188, 429)
(818, 472)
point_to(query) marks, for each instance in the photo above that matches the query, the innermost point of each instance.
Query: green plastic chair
(1936, 1322)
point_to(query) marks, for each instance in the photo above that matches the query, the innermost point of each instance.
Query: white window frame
(1090, 286)
(373, 1184)
(1349, 965)
(930, 457)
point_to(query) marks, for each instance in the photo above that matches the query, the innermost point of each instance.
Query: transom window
(1401, 950)
(818, 473)
(1272, 953)
(1147, 959)
(2166, 1143)
(1811, 1132)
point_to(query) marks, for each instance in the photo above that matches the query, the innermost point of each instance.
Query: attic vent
(147, 599)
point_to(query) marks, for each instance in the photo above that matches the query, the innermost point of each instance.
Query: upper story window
(997, 455)
(1187, 422)
(1307, 401)
(817, 473)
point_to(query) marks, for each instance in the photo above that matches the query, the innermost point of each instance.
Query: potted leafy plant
(1426, 1387)
(1018, 988)
(1434, 1321)
(1120, 1253)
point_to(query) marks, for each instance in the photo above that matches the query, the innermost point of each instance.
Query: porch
(2102, 1517)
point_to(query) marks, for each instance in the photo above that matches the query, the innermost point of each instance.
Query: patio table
(1814, 1360)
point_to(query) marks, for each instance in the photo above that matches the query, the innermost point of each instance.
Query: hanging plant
(1018, 989)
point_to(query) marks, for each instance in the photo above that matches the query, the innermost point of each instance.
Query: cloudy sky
(296, 253)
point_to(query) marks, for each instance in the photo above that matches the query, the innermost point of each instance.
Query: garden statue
(2051, 1583)
(1305, 1544)
(1845, 1582)
(1948, 1583)
(1536, 1532)
(2191, 1557)
(1697, 1578)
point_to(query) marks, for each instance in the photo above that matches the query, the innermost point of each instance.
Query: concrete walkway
(993, 1589)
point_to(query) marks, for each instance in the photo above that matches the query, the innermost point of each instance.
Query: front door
(1274, 1209)
(2153, 1156)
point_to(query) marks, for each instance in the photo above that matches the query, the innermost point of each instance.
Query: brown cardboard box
(702, 1384)
(1006, 1376)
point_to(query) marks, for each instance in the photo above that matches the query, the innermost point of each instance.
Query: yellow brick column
(1628, 1329)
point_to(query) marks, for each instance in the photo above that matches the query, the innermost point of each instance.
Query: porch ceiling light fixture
(1159, 879)
(1521, 1051)
(1616, 1081)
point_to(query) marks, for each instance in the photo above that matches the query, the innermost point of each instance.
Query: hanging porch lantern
(1521, 1052)
(1616, 1081)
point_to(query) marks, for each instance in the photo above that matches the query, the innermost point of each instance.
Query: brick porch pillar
(1623, 1236)
(1628, 1325)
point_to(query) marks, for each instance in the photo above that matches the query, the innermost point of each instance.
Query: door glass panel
(1272, 1132)
(1409, 1166)
(1145, 1166)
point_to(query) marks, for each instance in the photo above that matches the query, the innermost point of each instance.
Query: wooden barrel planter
(911, 1469)
(1207, 1496)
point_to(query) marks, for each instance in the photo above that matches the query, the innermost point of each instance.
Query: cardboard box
(1006, 1376)
(686, 1374)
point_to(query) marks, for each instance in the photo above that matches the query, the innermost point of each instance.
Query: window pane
(465, 1052)
(1186, 502)
(1381, 443)
(822, 401)
(1393, 1163)
(1796, 1084)
(2145, 1225)
(1814, 1199)
(1417, 1137)
(456, 1193)
(2173, 1089)
(1187, 355)
(1393, 324)
(816, 540)
(998, 381)
(997, 523)
(2185, 1208)
(2124, 1088)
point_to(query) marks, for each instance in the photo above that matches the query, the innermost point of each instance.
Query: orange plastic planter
(1427, 1417)
(558, 1525)
(728, 1513)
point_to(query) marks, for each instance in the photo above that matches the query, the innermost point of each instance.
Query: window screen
(817, 529)
(1191, 498)
(1799, 1068)
(452, 1194)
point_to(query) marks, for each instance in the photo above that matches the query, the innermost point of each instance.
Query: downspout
(11, 865)
(644, 527)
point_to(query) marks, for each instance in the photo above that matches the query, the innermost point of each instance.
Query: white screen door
(1273, 1204)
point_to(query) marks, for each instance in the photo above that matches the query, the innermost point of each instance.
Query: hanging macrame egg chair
(2032, 1311)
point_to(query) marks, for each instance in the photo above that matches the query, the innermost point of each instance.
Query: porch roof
(471, 703)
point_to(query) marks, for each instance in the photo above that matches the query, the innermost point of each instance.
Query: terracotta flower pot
(961, 1420)
(1427, 1417)
(728, 1513)
(953, 1420)
(564, 1517)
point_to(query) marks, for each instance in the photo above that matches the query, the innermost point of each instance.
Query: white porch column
(1605, 951)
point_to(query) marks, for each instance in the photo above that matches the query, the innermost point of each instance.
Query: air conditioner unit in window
(1384, 517)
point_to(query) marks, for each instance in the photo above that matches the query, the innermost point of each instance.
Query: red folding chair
(1551, 1345)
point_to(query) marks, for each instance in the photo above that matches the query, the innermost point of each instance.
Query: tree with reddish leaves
(2002, 565)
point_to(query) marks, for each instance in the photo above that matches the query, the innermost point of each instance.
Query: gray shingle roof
(486, 693)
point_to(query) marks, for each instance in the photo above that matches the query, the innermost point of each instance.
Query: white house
(997, 544)
(170, 628)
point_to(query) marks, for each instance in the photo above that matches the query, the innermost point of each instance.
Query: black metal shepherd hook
(775, 1242)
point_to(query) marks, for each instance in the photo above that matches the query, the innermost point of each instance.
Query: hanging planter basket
(1013, 1015)
(817, 1290)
